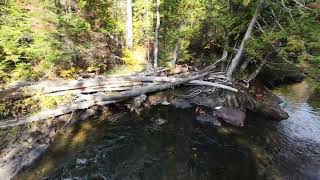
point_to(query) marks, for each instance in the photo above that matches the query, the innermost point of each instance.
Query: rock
(81, 162)
(180, 103)
(160, 121)
(279, 100)
(207, 119)
(231, 115)
(210, 101)
(281, 73)
(165, 103)
(139, 100)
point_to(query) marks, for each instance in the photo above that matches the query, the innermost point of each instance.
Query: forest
(64, 63)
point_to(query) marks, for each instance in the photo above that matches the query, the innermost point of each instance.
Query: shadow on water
(163, 143)
(166, 143)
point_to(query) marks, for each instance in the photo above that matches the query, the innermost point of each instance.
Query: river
(166, 143)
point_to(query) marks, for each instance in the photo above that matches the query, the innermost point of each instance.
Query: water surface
(166, 143)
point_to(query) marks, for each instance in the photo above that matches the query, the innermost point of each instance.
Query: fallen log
(206, 83)
(25, 153)
(96, 99)
(145, 90)
(84, 85)
(119, 88)
(12, 163)
(61, 110)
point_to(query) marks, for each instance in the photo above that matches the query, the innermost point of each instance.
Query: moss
(18, 108)
(51, 102)
(29, 106)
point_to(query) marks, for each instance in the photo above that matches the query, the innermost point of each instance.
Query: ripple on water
(300, 134)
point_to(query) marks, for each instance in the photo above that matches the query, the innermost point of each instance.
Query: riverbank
(33, 141)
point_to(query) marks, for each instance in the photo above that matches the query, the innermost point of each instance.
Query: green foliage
(51, 102)
(134, 56)
(9, 108)
(143, 24)
(298, 42)
(27, 42)
(104, 15)
(74, 24)
(40, 38)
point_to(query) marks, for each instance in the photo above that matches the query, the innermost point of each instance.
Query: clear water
(130, 146)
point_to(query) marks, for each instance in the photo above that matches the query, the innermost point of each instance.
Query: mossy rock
(281, 73)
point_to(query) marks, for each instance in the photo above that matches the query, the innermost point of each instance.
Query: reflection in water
(304, 121)
(139, 147)
(297, 140)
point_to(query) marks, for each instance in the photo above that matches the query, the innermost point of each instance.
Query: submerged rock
(207, 119)
(81, 161)
(231, 115)
(180, 103)
(160, 121)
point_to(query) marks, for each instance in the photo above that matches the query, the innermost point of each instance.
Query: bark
(145, 90)
(97, 99)
(236, 60)
(245, 65)
(257, 71)
(12, 164)
(25, 153)
(175, 54)
(61, 110)
(129, 24)
(276, 19)
(157, 30)
(224, 59)
(206, 83)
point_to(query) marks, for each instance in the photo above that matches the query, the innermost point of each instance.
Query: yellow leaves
(135, 56)
(68, 73)
(17, 108)
(246, 2)
(53, 101)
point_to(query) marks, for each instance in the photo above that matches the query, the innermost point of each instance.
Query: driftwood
(206, 83)
(11, 163)
(107, 90)
(24, 153)
(61, 110)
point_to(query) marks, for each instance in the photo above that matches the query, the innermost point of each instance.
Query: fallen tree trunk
(236, 60)
(206, 83)
(144, 90)
(107, 90)
(103, 99)
(86, 85)
(25, 153)
(61, 110)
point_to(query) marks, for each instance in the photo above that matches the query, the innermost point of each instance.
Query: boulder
(207, 119)
(281, 73)
(230, 115)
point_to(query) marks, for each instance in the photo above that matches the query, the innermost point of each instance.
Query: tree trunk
(175, 53)
(236, 60)
(224, 57)
(156, 46)
(257, 71)
(98, 99)
(129, 24)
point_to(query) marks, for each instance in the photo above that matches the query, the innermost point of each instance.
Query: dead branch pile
(106, 90)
